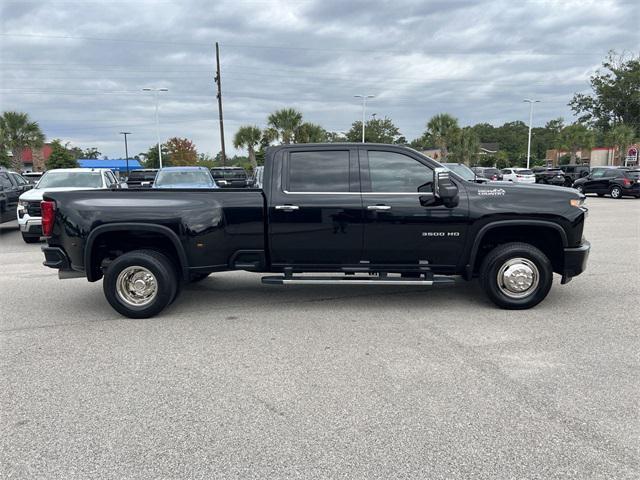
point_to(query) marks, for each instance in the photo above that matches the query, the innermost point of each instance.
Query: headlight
(23, 203)
(576, 202)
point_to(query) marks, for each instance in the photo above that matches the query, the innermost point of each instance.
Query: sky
(78, 67)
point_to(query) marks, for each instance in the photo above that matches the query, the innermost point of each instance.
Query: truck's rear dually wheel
(140, 284)
(516, 275)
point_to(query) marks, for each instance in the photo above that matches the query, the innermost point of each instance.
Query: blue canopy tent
(117, 165)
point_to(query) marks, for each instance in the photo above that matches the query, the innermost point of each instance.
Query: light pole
(126, 149)
(364, 108)
(531, 102)
(156, 92)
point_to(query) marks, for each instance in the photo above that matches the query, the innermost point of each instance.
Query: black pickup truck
(348, 214)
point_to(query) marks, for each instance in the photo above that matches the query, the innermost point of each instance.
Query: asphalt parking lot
(241, 380)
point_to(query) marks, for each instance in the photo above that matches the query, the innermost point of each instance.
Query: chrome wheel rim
(136, 286)
(518, 277)
(615, 192)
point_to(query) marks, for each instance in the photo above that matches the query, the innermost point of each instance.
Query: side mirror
(444, 188)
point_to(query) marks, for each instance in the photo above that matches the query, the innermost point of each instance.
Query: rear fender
(128, 228)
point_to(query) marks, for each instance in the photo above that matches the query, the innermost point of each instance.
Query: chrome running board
(308, 280)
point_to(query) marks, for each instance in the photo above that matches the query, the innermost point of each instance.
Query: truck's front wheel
(516, 275)
(140, 284)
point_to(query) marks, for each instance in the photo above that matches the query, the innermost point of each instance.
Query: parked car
(574, 172)
(142, 178)
(518, 175)
(549, 176)
(32, 177)
(58, 180)
(13, 185)
(231, 177)
(367, 213)
(465, 172)
(184, 177)
(490, 173)
(617, 182)
(258, 175)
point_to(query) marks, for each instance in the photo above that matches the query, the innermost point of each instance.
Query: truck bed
(212, 225)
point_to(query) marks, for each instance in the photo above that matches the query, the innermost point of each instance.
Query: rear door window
(319, 171)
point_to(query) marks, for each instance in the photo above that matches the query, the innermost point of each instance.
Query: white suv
(58, 180)
(518, 175)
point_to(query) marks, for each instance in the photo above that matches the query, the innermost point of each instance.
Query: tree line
(609, 116)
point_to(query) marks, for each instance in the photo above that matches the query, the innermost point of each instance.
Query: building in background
(598, 156)
(116, 164)
(33, 159)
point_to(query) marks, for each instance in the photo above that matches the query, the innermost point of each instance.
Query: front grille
(33, 209)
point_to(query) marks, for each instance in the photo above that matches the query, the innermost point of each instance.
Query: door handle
(287, 208)
(379, 207)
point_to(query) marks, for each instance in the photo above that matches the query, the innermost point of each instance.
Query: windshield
(71, 179)
(461, 170)
(186, 179)
(635, 174)
(524, 172)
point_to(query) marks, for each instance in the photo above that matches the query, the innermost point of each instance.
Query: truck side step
(357, 280)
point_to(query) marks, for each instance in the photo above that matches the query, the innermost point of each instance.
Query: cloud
(78, 67)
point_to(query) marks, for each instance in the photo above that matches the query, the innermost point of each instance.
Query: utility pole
(531, 102)
(219, 95)
(126, 149)
(364, 108)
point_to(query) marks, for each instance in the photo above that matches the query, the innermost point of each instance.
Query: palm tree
(620, 137)
(285, 122)
(465, 146)
(18, 133)
(442, 129)
(310, 133)
(248, 136)
(576, 137)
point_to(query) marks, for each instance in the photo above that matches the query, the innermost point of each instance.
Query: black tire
(498, 258)
(30, 238)
(615, 192)
(163, 271)
(197, 277)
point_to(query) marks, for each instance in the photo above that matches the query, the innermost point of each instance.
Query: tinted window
(229, 173)
(321, 171)
(4, 181)
(598, 174)
(394, 172)
(141, 175)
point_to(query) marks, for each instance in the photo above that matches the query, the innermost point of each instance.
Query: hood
(37, 193)
(524, 198)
